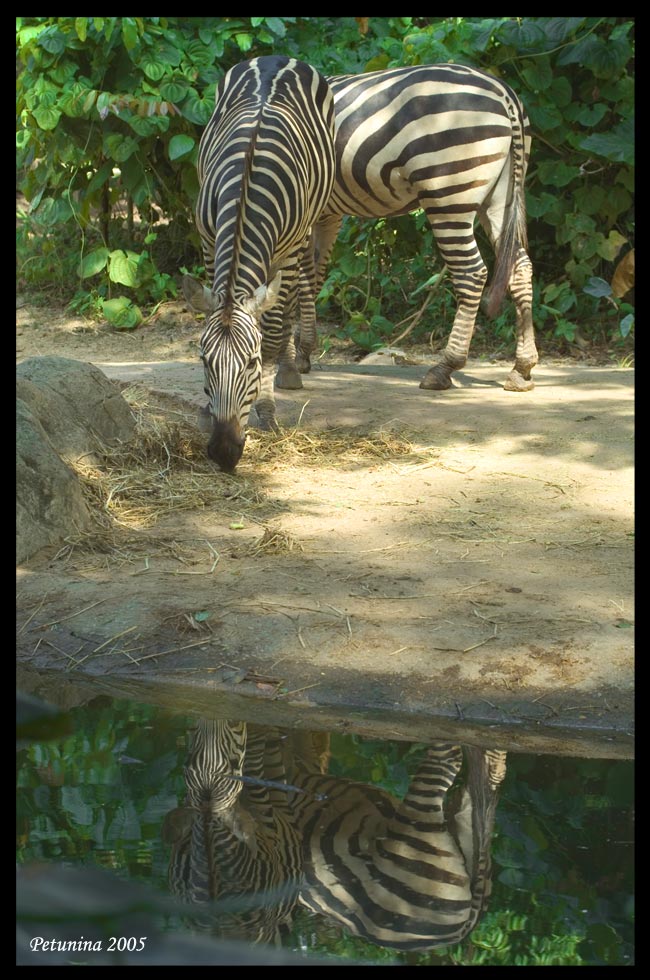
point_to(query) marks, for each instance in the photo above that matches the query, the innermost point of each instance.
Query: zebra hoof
(516, 382)
(289, 379)
(436, 379)
(303, 363)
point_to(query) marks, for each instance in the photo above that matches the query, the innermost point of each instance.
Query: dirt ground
(480, 577)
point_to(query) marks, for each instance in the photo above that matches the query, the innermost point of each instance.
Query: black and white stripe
(235, 852)
(410, 874)
(407, 874)
(266, 169)
(455, 142)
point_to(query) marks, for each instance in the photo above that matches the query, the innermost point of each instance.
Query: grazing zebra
(411, 874)
(266, 170)
(455, 142)
(235, 853)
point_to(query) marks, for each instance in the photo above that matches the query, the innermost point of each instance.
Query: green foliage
(110, 111)
(96, 791)
(574, 76)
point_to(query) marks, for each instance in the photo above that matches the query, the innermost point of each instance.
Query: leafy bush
(110, 112)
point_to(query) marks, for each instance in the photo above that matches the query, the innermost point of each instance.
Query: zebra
(235, 853)
(266, 171)
(411, 875)
(455, 142)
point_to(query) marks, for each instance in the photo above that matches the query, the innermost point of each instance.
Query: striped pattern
(407, 875)
(411, 875)
(235, 853)
(455, 142)
(266, 170)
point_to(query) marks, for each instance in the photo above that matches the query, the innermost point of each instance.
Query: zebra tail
(513, 237)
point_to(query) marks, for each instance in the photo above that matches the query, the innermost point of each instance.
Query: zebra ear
(199, 297)
(266, 296)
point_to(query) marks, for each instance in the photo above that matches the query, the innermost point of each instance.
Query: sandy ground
(481, 581)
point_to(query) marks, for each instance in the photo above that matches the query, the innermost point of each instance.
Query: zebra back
(266, 168)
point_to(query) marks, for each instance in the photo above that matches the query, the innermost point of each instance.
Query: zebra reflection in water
(411, 874)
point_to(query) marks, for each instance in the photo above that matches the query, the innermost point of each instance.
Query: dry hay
(274, 541)
(165, 469)
(332, 447)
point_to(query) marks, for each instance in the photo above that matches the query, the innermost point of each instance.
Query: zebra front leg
(526, 357)
(265, 404)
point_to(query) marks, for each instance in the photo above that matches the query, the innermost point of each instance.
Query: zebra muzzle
(226, 444)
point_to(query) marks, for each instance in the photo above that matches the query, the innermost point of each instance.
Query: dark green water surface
(562, 843)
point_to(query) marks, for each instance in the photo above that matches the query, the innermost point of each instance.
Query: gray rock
(63, 409)
(75, 403)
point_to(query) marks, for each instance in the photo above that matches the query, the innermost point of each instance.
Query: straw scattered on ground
(132, 486)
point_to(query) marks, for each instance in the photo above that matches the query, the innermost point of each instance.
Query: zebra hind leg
(468, 272)
(454, 356)
(526, 356)
(288, 373)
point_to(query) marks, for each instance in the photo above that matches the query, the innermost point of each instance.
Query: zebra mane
(239, 226)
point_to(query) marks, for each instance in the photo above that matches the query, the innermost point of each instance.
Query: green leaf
(81, 27)
(52, 40)
(586, 115)
(616, 145)
(124, 267)
(93, 263)
(180, 146)
(119, 148)
(47, 118)
(545, 117)
(557, 29)
(597, 287)
(122, 313)
(168, 54)
(148, 125)
(626, 324)
(590, 199)
(276, 25)
(244, 41)
(197, 110)
(565, 328)
(129, 33)
(153, 69)
(561, 92)
(539, 74)
(100, 178)
(557, 173)
(90, 100)
(174, 90)
(611, 246)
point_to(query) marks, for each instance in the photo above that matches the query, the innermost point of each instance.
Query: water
(110, 795)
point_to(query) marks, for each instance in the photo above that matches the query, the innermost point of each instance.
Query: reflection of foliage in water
(99, 796)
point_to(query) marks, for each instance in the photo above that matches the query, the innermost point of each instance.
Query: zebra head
(231, 351)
